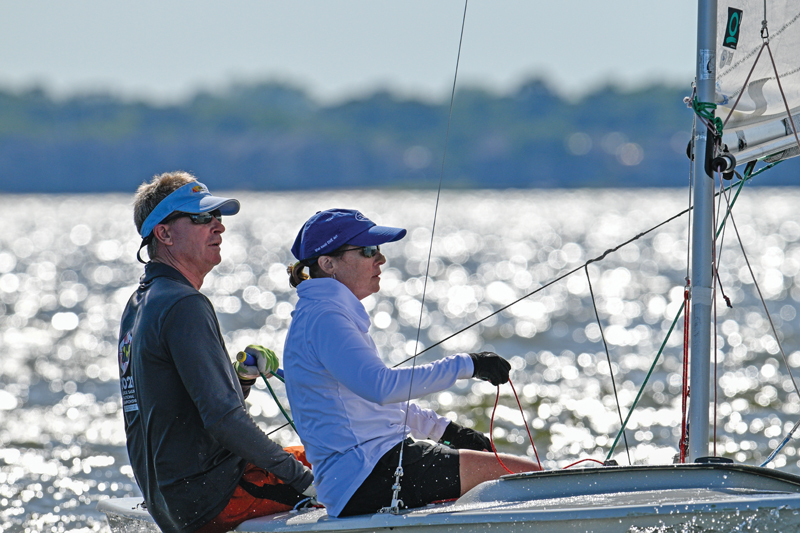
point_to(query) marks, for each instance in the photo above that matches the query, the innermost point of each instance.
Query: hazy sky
(164, 50)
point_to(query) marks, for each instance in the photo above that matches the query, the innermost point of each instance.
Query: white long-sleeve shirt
(348, 406)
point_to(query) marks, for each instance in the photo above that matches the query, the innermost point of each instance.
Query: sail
(758, 127)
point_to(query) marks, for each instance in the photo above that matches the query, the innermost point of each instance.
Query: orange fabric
(243, 506)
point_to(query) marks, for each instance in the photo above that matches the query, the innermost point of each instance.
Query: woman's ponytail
(296, 274)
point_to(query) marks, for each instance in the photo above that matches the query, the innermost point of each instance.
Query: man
(200, 461)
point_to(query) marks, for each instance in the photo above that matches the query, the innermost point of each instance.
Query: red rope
(491, 428)
(685, 395)
(583, 461)
(491, 434)
(526, 424)
(714, 280)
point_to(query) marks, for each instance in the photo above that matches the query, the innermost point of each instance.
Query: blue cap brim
(377, 235)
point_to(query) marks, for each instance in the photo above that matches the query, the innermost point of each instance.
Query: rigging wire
(783, 443)
(730, 203)
(783, 96)
(717, 282)
(275, 397)
(764, 303)
(749, 174)
(777, 340)
(644, 383)
(548, 284)
(765, 44)
(565, 275)
(396, 502)
(739, 184)
(608, 357)
(278, 429)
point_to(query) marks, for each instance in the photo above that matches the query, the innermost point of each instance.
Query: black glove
(490, 367)
(459, 437)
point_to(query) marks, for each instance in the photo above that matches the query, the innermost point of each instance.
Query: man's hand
(310, 492)
(266, 362)
(459, 437)
(490, 367)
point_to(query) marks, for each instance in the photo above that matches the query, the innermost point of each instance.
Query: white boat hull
(685, 498)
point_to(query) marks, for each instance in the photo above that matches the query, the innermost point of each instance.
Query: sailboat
(701, 492)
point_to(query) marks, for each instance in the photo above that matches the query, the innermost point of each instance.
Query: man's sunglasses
(199, 218)
(366, 251)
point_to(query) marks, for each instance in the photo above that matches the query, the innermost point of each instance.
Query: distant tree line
(274, 137)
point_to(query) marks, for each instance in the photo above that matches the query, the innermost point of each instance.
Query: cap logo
(198, 188)
(360, 217)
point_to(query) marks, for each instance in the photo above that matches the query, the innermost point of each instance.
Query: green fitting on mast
(705, 110)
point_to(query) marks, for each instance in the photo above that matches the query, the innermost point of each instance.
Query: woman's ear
(325, 263)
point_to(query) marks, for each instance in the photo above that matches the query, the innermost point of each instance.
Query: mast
(702, 241)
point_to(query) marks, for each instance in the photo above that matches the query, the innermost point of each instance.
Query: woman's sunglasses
(199, 218)
(366, 251)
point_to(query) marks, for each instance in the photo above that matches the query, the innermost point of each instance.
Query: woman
(349, 408)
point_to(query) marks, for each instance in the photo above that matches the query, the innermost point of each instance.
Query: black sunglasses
(366, 251)
(199, 218)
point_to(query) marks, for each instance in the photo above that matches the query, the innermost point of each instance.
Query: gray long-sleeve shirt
(189, 434)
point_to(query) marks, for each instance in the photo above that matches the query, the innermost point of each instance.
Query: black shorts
(430, 473)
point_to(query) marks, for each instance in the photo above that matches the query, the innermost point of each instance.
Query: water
(67, 267)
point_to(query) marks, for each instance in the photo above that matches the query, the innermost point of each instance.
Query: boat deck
(697, 497)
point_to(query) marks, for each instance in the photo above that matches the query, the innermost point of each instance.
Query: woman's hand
(490, 367)
(459, 437)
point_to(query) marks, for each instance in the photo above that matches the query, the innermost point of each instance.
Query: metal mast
(702, 241)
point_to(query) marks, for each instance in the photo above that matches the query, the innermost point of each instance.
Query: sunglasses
(199, 218)
(366, 251)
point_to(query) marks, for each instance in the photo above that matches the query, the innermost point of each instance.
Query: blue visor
(191, 198)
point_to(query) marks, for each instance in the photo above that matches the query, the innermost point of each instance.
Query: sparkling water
(67, 267)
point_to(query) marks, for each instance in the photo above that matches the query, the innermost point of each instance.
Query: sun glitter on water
(67, 267)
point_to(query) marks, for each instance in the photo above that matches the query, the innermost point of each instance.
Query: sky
(164, 51)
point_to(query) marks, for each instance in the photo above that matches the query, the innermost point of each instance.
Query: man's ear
(163, 234)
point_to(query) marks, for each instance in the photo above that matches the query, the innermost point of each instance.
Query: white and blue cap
(192, 198)
(328, 230)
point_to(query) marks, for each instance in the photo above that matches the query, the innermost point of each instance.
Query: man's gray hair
(149, 195)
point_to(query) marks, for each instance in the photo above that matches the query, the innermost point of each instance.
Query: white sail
(758, 127)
